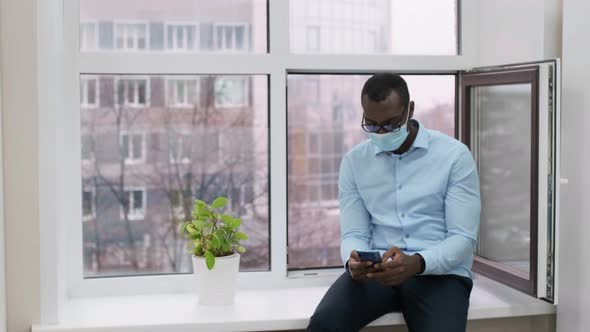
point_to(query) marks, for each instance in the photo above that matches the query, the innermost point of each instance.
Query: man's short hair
(380, 86)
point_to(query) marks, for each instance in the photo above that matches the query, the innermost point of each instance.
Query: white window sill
(256, 310)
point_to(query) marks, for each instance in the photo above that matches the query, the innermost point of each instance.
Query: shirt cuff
(429, 262)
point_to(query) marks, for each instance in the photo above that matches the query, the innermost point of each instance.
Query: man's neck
(413, 128)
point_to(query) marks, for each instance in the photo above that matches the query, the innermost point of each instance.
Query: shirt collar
(421, 140)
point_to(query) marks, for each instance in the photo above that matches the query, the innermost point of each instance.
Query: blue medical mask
(393, 140)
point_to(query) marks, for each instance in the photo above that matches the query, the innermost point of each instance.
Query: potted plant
(214, 242)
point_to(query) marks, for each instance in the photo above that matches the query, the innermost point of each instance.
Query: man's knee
(323, 321)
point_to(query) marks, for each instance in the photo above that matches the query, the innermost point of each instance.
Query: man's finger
(390, 253)
(389, 264)
(355, 255)
(356, 265)
(379, 274)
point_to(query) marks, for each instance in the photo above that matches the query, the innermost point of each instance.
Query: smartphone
(370, 256)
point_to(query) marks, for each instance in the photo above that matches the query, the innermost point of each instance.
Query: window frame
(246, 88)
(116, 32)
(130, 190)
(95, 46)
(183, 24)
(84, 92)
(131, 146)
(186, 78)
(179, 141)
(129, 79)
(233, 49)
(276, 63)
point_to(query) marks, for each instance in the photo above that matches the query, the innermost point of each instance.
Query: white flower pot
(217, 286)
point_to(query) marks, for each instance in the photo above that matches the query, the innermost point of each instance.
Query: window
(89, 92)
(88, 36)
(178, 203)
(134, 204)
(133, 147)
(87, 148)
(88, 206)
(131, 36)
(319, 136)
(232, 91)
(359, 26)
(198, 151)
(175, 119)
(180, 148)
(183, 93)
(181, 37)
(231, 37)
(174, 26)
(313, 38)
(514, 106)
(132, 92)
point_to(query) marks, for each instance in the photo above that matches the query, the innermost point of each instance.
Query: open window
(509, 118)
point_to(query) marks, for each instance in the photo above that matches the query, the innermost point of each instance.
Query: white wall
(574, 251)
(19, 130)
(2, 256)
(518, 31)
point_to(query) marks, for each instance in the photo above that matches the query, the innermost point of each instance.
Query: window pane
(317, 141)
(86, 147)
(213, 142)
(231, 91)
(380, 26)
(137, 146)
(86, 203)
(501, 119)
(125, 145)
(91, 91)
(140, 25)
(137, 200)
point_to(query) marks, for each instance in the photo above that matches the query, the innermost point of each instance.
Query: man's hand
(400, 268)
(359, 270)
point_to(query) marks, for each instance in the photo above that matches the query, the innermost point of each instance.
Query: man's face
(390, 110)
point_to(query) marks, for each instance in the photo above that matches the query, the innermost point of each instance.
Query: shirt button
(403, 215)
(399, 187)
(407, 236)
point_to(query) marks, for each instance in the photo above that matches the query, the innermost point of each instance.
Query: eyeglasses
(391, 125)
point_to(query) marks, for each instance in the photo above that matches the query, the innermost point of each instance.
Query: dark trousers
(428, 303)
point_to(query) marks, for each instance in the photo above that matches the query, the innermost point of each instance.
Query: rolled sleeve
(462, 213)
(354, 217)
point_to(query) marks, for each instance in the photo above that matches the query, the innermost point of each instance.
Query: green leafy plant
(211, 234)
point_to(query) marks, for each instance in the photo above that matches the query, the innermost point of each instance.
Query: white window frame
(92, 215)
(179, 140)
(84, 92)
(135, 47)
(174, 102)
(135, 79)
(276, 64)
(130, 147)
(84, 43)
(133, 215)
(233, 47)
(247, 84)
(185, 48)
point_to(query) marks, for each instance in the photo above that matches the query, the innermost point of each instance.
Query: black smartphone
(369, 256)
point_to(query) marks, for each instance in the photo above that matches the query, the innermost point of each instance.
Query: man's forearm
(447, 255)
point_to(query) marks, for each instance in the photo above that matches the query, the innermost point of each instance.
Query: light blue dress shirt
(424, 201)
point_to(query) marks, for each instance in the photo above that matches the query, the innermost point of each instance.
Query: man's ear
(411, 110)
